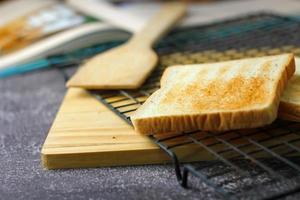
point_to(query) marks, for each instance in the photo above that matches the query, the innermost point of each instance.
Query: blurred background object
(51, 27)
(33, 26)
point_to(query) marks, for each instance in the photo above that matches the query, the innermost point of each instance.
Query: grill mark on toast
(201, 74)
(238, 92)
(266, 67)
(222, 71)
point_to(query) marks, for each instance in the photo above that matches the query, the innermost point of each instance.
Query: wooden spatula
(127, 66)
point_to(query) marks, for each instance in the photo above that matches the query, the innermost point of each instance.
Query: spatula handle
(160, 23)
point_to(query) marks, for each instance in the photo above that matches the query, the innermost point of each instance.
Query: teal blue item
(61, 60)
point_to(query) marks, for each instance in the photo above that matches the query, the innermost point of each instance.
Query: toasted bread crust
(211, 122)
(289, 111)
(288, 117)
(289, 107)
(218, 121)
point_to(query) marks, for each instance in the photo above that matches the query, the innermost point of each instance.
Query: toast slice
(289, 108)
(217, 96)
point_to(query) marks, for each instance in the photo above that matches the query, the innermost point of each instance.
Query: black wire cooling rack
(258, 163)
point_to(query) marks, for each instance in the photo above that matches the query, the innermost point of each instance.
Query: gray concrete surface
(28, 105)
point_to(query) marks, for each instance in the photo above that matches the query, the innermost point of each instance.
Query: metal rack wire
(258, 163)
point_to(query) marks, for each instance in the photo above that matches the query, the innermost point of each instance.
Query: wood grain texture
(86, 134)
(128, 66)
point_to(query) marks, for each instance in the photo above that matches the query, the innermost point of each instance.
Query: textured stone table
(27, 108)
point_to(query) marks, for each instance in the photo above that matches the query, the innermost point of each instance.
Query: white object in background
(107, 12)
(66, 40)
(133, 16)
(207, 12)
(11, 10)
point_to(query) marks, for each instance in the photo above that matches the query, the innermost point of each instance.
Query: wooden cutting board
(87, 134)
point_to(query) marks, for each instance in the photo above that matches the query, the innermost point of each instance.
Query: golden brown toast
(217, 96)
(290, 101)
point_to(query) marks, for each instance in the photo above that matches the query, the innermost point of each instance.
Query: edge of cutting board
(87, 134)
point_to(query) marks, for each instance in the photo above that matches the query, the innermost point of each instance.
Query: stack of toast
(289, 108)
(238, 94)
